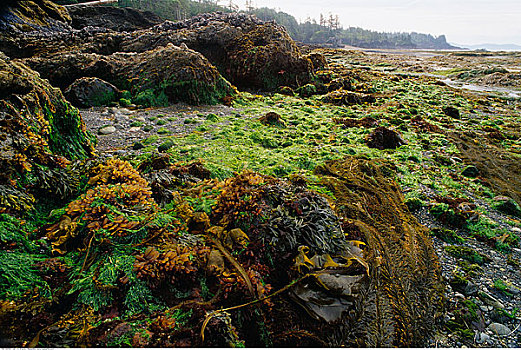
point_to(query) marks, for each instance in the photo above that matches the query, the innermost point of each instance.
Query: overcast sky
(462, 21)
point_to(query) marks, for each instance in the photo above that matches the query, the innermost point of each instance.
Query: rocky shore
(220, 186)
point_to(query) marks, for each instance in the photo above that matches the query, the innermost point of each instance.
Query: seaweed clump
(405, 293)
(40, 132)
(215, 265)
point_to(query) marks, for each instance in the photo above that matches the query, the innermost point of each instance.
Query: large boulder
(89, 92)
(38, 127)
(248, 52)
(157, 77)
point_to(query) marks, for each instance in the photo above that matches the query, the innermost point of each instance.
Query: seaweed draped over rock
(38, 127)
(405, 292)
(155, 77)
(248, 52)
(221, 263)
(497, 167)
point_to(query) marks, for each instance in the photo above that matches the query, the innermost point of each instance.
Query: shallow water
(483, 88)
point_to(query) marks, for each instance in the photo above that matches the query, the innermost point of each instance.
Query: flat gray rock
(499, 328)
(107, 130)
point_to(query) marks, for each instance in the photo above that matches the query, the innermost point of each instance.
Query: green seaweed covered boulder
(38, 128)
(164, 75)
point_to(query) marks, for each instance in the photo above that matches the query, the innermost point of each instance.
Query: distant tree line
(329, 31)
(326, 31)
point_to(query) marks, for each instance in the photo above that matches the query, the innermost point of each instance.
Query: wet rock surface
(164, 75)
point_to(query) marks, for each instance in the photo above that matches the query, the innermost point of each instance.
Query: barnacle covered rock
(121, 19)
(28, 17)
(248, 52)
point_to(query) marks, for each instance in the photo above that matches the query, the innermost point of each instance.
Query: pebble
(459, 296)
(107, 130)
(471, 289)
(482, 338)
(499, 328)
(134, 129)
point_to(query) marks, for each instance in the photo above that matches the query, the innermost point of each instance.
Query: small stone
(107, 130)
(470, 171)
(499, 328)
(507, 205)
(459, 296)
(134, 129)
(482, 338)
(491, 301)
(470, 289)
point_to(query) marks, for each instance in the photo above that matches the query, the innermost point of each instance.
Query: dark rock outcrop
(24, 23)
(248, 52)
(113, 18)
(383, 138)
